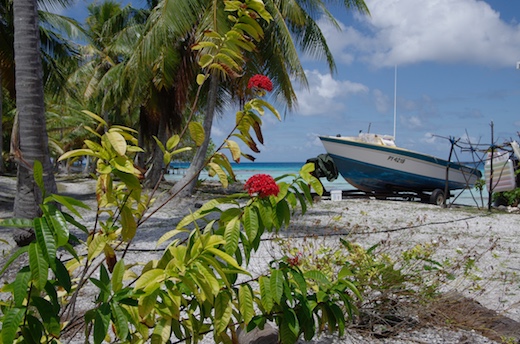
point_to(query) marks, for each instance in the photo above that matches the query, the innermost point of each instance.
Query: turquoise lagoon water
(245, 170)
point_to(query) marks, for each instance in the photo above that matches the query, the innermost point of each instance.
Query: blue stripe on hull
(368, 177)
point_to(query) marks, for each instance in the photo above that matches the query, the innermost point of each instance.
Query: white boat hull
(380, 168)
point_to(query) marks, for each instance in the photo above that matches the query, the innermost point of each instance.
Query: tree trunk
(187, 184)
(2, 166)
(156, 171)
(33, 142)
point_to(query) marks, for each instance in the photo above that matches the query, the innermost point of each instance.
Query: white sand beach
(489, 238)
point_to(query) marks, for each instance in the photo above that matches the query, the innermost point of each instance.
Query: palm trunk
(187, 184)
(156, 171)
(33, 144)
(2, 166)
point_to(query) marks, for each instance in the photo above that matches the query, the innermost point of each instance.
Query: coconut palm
(293, 28)
(33, 142)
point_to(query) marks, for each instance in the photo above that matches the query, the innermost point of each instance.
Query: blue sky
(456, 73)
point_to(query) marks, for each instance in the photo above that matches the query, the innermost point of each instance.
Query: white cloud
(450, 31)
(381, 101)
(325, 94)
(411, 122)
(429, 138)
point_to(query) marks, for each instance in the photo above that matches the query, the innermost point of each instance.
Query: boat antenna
(395, 97)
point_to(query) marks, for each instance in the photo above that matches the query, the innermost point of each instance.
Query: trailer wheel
(437, 197)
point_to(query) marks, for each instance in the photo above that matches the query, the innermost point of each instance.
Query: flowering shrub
(260, 81)
(262, 185)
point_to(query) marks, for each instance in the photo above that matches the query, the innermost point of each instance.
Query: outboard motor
(324, 166)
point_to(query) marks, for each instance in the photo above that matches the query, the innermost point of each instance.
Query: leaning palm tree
(293, 28)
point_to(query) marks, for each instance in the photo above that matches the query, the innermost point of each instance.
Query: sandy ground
(491, 238)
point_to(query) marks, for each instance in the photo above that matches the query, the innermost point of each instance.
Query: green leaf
(218, 266)
(17, 223)
(75, 223)
(47, 312)
(58, 223)
(94, 146)
(250, 223)
(62, 275)
(252, 22)
(234, 149)
(162, 331)
(11, 322)
(159, 144)
(232, 234)
(204, 44)
(20, 285)
(316, 185)
(132, 183)
(250, 30)
(150, 280)
(245, 300)
(123, 164)
(172, 142)
(209, 277)
(117, 141)
(180, 150)
(300, 281)
(70, 203)
(120, 321)
(101, 323)
(216, 169)
(227, 258)
(33, 330)
(223, 311)
(196, 133)
(39, 266)
(78, 152)
(38, 175)
(259, 104)
(306, 320)
(283, 213)
(339, 317)
(317, 276)
(289, 327)
(276, 285)
(96, 246)
(200, 79)
(129, 224)
(204, 61)
(265, 293)
(95, 117)
(222, 160)
(167, 158)
(13, 257)
(266, 216)
(117, 276)
(306, 170)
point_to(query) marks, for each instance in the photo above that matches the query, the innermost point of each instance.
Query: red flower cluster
(260, 81)
(295, 261)
(262, 185)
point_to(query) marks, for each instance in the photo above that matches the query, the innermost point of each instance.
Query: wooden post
(490, 186)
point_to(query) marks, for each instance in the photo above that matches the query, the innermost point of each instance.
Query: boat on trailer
(374, 164)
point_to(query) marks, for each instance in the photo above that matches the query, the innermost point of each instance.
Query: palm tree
(33, 143)
(55, 50)
(293, 27)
